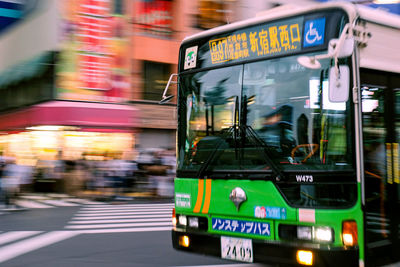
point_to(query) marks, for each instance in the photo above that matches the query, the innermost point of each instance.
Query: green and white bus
(288, 138)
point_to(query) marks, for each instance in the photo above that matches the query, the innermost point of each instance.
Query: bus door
(381, 132)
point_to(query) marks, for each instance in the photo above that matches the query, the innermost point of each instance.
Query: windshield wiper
(211, 158)
(265, 148)
(231, 130)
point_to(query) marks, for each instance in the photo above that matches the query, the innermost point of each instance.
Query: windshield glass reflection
(272, 116)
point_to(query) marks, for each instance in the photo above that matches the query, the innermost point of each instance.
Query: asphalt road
(135, 234)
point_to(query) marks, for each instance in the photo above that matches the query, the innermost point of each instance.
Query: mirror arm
(169, 82)
(334, 50)
(347, 32)
(164, 97)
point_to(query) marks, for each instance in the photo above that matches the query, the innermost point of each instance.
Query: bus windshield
(266, 116)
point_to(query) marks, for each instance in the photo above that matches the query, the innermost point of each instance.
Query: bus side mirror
(339, 82)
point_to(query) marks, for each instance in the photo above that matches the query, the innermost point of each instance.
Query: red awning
(69, 113)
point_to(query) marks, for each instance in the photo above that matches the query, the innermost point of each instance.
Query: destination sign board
(263, 40)
(287, 36)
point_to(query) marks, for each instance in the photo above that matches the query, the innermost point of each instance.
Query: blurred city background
(80, 85)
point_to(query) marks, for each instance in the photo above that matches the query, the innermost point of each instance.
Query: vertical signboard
(94, 59)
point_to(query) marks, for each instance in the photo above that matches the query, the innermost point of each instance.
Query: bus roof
(353, 11)
(379, 16)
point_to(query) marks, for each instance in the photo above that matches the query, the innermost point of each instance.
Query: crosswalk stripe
(60, 203)
(125, 230)
(34, 197)
(16, 249)
(132, 205)
(117, 225)
(16, 235)
(31, 204)
(122, 217)
(57, 195)
(122, 213)
(126, 207)
(82, 201)
(118, 221)
(122, 209)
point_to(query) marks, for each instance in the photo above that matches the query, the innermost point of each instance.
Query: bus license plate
(236, 249)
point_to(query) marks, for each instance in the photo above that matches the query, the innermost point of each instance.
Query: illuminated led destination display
(285, 37)
(273, 39)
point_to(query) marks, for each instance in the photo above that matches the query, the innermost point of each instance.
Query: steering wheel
(314, 148)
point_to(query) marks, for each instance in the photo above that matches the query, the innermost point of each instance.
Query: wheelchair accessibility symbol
(314, 32)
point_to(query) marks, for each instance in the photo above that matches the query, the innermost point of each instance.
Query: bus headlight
(323, 234)
(182, 219)
(304, 232)
(318, 234)
(193, 222)
(188, 222)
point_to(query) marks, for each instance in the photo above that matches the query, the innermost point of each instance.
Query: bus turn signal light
(304, 257)
(174, 218)
(349, 233)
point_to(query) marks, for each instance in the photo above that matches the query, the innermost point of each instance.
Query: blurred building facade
(65, 81)
(156, 28)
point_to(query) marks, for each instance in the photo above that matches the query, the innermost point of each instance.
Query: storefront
(68, 130)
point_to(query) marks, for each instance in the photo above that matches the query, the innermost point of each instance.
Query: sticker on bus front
(307, 215)
(270, 212)
(190, 58)
(182, 200)
(314, 32)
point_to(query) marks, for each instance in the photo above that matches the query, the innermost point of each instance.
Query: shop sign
(93, 63)
(154, 16)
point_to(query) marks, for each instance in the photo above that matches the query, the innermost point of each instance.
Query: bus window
(381, 134)
(211, 99)
(291, 112)
(374, 130)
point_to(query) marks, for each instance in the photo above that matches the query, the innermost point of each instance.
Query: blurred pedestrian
(11, 183)
(169, 160)
(117, 172)
(2, 190)
(166, 184)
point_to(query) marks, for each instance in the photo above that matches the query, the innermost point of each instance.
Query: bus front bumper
(272, 253)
